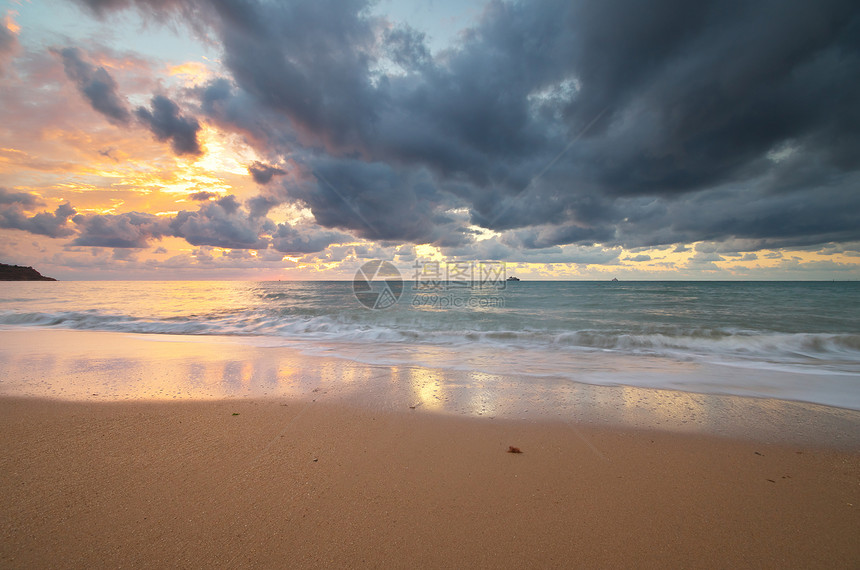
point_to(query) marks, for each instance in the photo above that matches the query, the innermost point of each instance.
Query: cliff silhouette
(20, 273)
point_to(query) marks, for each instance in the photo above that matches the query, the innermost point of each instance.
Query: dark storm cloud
(166, 123)
(308, 60)
(594, 121)
(202, 196)
(222, 223)
(820, 213)
(12, 216)
(715, 87)
(493, 249)
(102, 92)
(232, 109)
(20, 198)
(96, 85)
(406, 47)
(218, 223)
(259, 206)
(638, 258)
(289, 239)
(129, 230)
(379, 202)
(228, 203)
(263, 173)
(537, 237)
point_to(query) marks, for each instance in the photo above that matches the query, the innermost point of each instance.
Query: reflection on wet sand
(97, 366)
(484, 399)
(426, 387)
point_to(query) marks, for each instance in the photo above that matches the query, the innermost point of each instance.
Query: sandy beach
(313, 477)
(476, 284)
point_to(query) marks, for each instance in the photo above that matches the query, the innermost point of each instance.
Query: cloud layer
(167, 124)
(101, 91)
(8, 43)
(13, 215)
(96, 85)
(551, 122)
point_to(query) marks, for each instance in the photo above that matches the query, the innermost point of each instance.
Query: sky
(574, 139)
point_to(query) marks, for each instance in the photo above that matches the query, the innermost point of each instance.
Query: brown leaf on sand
(512, 449)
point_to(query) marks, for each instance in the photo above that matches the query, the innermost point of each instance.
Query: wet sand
(317, 475)
(91, 366)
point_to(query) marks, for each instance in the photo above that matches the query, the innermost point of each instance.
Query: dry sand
(299, 483)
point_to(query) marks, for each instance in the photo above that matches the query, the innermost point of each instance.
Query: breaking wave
(673, 342)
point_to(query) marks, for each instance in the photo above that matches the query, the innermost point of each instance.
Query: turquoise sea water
(781, 339)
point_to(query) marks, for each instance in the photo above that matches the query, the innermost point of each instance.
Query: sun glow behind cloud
(225, 152)
(210, 162)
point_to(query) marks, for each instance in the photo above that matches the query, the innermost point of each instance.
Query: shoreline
(96, 366)
(817, 383)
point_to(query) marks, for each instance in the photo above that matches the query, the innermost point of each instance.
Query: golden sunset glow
(192, 72)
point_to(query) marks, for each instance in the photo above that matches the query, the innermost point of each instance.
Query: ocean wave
(740, 342)
(675, 342)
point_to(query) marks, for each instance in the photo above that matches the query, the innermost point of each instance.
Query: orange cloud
(192, 72)
(10, 24)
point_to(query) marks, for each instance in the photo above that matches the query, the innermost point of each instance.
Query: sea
(786, 340)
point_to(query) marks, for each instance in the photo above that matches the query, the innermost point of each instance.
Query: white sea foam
(798, 341)
(696, 343)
